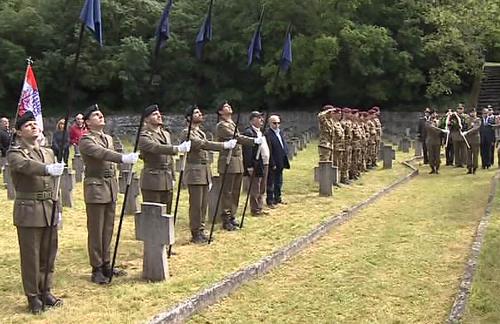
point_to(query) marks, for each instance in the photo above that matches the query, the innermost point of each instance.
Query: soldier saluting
(31, 169)
(100, 189)
(156, 148)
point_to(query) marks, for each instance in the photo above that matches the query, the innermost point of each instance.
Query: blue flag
(163, 30)
(205, 33)
(286, 54)
(255, 47)
(91, 18)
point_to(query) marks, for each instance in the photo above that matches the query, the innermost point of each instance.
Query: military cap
(189, 110)
(149, 110)
(254, 114)
(354, 111)
(326, 107)
(337, 110)
(89, 111)
(28, 116)
(346, 110)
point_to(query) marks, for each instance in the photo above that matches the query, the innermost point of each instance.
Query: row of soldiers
(350, 139)
(34, 171)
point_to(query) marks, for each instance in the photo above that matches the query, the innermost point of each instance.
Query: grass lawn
(398, 261)
(130, 299)
(484, 301)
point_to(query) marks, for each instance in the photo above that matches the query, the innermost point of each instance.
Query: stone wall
(295, 122)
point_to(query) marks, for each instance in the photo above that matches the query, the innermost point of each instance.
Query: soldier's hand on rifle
(258, 140)
(184, 147)
(229, 145)
(55, 169)
(130, 158)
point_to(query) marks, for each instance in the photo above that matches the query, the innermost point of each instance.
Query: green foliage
(362, 52)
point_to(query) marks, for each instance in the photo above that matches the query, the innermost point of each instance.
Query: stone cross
(388, 155)
(156, 229)
(67, 186)
(133, 192)
(79, 167)
(7, 179)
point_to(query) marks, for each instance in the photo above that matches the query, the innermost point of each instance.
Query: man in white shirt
(256, 162)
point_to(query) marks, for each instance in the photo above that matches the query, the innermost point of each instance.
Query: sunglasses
(276, 123)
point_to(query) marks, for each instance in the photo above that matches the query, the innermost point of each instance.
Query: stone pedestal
(79, 167)
(156, 229)
(68, 182)
(388, 155)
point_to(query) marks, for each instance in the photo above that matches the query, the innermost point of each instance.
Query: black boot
(106, 271)
(98, 277)
(233, 221)
(469, 171)
(51, 300)
(35, 305)
(199, 238)
(474, 171)
(437, 170)
(432, 170)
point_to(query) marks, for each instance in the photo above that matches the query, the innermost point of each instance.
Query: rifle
(252, 176)
(181, 175)
(228, 161)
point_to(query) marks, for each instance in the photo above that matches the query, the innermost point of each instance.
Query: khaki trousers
(198, 203)
(259, 185)
(434, 153)
(33, 244)
(100, 223)
(231, 194)
(162, 197)
(473, 156)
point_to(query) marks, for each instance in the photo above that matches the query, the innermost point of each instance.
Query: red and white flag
(30, 98)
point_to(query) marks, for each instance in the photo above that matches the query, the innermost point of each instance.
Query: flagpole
(55, 200)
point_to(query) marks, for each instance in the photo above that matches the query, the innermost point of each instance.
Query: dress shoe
(51, 300)
(474, 171)
(35, 305)
(228, 226)
(234, 222)
(199, 239)
(271, 206)
(469, 171)
(98, 277)
(106, 271)
(432, 171)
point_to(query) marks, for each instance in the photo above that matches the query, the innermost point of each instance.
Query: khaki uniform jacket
(325, 130)
(156, 151)
(225, 132)
(338, 136)
(100, 185)
(34, 187)
(378, 128)
(197, 171)
(347, 126)
(372, 132)
(473, 136)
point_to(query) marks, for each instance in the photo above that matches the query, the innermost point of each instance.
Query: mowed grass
(130, 299)
(398, 261)
(484, 301)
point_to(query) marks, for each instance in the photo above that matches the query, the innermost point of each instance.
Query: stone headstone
(381, 151)
(212, 199)
(156, 229)
(9, 185)
(334, 174)
(79, 167)
(405, 145)
(122, 180)
(325, 171)
(388, 155)
(133, 193)
(408, 132)
(291, 150)
(419, 148)
(67, 185)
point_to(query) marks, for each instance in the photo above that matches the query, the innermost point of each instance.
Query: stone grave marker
(388, 155)
(67, 185)
(79, 167)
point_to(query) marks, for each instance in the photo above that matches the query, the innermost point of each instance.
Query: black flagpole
(228, 161)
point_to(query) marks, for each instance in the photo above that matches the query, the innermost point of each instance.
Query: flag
(30, 98)
(163, 30)
(205, 33)
(286, 54)
(255, 47)
(91, 17)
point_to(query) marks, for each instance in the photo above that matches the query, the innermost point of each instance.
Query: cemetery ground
(130, 299)
(400, 260)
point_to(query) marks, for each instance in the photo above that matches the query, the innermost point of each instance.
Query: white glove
(464, 133)
(210, 186)
(130, 158)
(55, 169)
(258, 140)
(446, 131)
(229, 145)
(184, 147)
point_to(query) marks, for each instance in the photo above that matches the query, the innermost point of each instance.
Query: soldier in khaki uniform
(100, 189)
(325, 146)
(474, 140)
(346, 163)
(338, 139)
(234, 174)
(31, 169)
(356, 145)
(378, 129)
(433, 143)
(157, 176)
(198, 176)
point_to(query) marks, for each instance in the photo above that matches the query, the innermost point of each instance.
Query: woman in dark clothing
(57, 142)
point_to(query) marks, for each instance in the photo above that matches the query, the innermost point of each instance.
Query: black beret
(149, 110)
(28, 116)
(189, 110)
(89, 111)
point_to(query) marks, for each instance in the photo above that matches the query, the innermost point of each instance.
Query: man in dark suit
(422, 132)
(5, 136)
(487, 135)
(277, 162)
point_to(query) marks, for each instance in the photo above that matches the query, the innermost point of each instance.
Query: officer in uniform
(433, 143)
(474, 140)
(198, 176)
(31, 169)
(156, 149)
(234, 175)
(100, 189)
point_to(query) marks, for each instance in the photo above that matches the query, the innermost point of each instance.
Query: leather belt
(38, 195)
